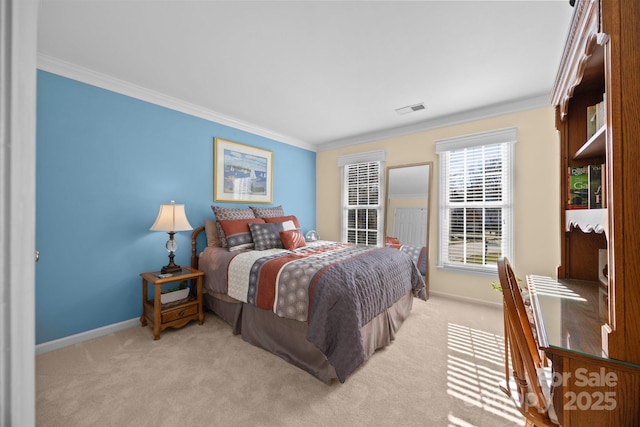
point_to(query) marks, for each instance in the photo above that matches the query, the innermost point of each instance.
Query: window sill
(476, 271)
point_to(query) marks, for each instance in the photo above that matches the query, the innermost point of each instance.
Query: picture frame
(241, 173)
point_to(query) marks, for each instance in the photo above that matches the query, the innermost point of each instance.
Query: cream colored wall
(537, 228)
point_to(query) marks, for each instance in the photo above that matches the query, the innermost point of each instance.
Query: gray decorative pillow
(224, 214)
(266, 236)
(264, 212)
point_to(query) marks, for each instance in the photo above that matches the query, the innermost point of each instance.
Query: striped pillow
(292, 239)
(238, 234)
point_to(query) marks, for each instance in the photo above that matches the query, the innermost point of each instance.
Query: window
(476, 200)
(362, 198)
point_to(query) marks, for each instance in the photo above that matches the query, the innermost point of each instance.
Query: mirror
(407, 211)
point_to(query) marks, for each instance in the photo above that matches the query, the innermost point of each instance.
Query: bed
(285, 299)
(417, 253)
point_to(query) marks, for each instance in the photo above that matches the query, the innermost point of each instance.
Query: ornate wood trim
(588, 220)
(581, 42)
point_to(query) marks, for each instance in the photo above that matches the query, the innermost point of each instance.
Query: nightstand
(174, 314)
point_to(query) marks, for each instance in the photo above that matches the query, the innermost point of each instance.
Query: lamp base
(171, 267)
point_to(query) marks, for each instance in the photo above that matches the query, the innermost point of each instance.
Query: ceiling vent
(410, 109)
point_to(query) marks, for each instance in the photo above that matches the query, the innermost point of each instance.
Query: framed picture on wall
(241, 173)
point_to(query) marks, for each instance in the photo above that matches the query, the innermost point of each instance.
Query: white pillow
(288, 225)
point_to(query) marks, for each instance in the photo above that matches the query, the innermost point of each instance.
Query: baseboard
(85, 336)
(467, 299)
(109, 329)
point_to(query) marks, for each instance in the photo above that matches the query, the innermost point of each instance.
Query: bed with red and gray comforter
(325, 307)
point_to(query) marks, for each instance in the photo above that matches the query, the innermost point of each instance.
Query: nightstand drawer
(179, 313)
(174, 314)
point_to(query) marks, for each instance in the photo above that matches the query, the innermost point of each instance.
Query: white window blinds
(362, 198)
(476, 200)
(363, 203)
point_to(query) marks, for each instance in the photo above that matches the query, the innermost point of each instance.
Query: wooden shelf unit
(601, 61)
(599, 335)
(595, 147)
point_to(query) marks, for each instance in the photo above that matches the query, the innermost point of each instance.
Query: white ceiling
(317, 74)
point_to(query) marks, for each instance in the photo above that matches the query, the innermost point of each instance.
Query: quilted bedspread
(336, 288)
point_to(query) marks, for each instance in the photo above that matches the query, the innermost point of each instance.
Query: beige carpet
(443, 369)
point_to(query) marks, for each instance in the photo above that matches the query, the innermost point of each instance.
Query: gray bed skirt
(226, 308)
(287, 338)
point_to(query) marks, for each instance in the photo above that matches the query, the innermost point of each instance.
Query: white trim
(368, 156)
(104, 81)
(534, 102)
(490, 304)
(94, 78)
(355, 159)
(489, 271)
(506, 138)
(85, 336)
(18, 47)
(498, 136)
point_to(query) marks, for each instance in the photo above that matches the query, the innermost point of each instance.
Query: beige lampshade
(171, 217)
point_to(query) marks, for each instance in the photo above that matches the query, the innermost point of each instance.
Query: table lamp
(171, 218)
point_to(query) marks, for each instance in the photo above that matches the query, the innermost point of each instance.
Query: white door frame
(18, 61)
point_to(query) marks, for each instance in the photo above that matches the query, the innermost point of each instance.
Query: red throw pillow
(283, 219)
(238, 234)
(393, 243)
(292, 239)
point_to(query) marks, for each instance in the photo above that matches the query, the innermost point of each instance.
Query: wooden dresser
(597, 91)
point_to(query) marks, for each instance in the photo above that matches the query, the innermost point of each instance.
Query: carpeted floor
(443, 369)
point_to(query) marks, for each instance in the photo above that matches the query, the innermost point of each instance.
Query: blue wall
(105, 162)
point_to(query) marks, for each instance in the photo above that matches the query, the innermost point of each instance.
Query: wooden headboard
(194, 246)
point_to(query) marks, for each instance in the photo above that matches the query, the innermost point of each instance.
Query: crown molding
(104, 81)
(538, 101)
